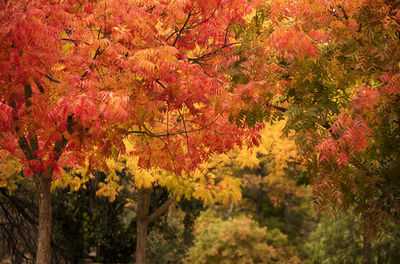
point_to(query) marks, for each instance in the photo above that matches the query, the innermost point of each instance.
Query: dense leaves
(331, 68)
(116, 68)
(157, 88)
(237, 240)
(338, 241)
(79, 77)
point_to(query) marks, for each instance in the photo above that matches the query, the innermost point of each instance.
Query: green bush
(237, 240)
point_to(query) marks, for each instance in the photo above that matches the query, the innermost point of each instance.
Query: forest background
(200, 131)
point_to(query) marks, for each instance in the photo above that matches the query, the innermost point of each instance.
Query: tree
(338, 241)
(331, 67)
(327, 68)
(83, 221)
(79, 76)
(270, 195)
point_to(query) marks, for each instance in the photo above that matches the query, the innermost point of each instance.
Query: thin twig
(181, 30)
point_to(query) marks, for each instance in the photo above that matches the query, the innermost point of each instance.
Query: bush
(237, 240)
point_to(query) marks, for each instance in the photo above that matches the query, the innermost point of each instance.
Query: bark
(161, 210)
(92, 189)
(142, 213)
(260, 202)
(141, 241)
(367, 251)
(144, 218)
(44, 231)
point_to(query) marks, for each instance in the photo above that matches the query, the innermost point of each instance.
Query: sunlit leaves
(89, 74)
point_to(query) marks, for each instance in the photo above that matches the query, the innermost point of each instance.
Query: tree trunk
(144, 218)
(142, 213)
(43, 253)
(366, 251)
(141, 242)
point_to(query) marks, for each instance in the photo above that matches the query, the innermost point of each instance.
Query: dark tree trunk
(44, 231)
(142, 212)
(144, 218)
(366, 251)
(141, 242)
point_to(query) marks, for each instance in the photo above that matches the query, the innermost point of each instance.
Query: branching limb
(181, 30)
(162, 209)
(151, 134)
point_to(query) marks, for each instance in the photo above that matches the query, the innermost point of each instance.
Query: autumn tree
(270, 195)
(331, 67)
(79, 76)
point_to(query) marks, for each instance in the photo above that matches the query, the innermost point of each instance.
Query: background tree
(236, 240)
(339, 241)
(268, 175)
(85, 223)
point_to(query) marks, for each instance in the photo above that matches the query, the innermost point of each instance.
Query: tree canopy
(331, 67)
(156, 88)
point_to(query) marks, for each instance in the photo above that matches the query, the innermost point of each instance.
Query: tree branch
(202, 21)
(59, 146)
(39, 85)
(214, 52)
(282, 109)
(151, 134)
(51, 78)
(160, 210)
(22, 141)
(181, 30)
(186, 132)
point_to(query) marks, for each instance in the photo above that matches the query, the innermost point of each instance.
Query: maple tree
(80, 76)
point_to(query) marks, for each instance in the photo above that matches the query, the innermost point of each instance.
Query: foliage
(334, 241)
(235, 240)
(166, 242)
(197, 185)
(93, 82)
(10, 171)
(331, 67)
(270, 167)
(269, 191)
(80, 79)
(338, 241)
